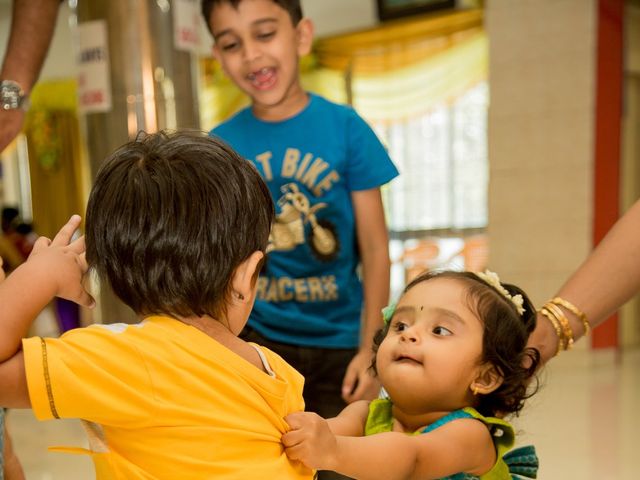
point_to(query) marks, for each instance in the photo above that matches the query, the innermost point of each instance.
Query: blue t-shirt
(310, 294)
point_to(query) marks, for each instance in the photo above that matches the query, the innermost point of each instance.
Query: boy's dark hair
(504, 340)
(169, 219)
(292, 7)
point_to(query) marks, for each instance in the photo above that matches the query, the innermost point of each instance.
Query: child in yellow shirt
(177, 224)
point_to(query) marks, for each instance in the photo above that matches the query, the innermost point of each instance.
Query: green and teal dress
(520, 463)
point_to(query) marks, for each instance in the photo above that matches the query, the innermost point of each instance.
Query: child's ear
(304, 31)
(244, 277)
(488, 380)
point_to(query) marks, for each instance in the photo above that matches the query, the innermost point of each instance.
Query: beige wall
(541, 136)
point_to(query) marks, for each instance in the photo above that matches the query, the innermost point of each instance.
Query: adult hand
(359, 382)
(544, 338)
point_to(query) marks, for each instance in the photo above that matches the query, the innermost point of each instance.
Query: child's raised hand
(63, 261)
(310, 440)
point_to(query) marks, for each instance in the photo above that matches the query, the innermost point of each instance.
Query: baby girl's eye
(399, 326)
(442, 331)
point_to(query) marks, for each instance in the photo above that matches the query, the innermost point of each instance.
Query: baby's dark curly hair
(504, 341)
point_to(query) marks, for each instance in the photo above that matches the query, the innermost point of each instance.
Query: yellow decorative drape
(59, 177)
(398, 44)
(219, 97)
(418, 88)
(407, 67)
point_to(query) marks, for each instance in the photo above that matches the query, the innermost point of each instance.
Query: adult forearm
(611, 274)
(602, 284)
(32, 27)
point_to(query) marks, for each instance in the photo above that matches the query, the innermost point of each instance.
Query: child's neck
(210, 326)
(410, 422)
(291, 105)
(225, 337)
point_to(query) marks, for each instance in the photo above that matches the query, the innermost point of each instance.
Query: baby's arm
(351, 421)
(54, 268)
(460, 446)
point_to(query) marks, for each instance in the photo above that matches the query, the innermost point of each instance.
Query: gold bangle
(575, 310)
(556, 327)
(564, 323)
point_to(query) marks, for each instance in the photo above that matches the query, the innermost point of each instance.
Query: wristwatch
(12, 96)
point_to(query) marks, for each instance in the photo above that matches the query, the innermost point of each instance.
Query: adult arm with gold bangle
(607, 279)
(32, 26)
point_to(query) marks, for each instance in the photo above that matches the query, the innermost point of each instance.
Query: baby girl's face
(433, 349)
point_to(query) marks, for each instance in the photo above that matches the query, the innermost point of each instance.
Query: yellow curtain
(415, 89)
(58, 174)
(395, 45)
(406, 67)
(219, 97)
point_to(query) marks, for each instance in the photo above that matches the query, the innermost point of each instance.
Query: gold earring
(475, 390)
(240, 296)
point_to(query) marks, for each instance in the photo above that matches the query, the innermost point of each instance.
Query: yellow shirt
(172, 403)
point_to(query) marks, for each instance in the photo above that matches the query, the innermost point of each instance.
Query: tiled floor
(584, 423)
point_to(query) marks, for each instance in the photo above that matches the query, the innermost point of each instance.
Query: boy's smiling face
(259, 47)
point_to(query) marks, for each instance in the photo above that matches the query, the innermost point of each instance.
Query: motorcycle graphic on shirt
(288, 229)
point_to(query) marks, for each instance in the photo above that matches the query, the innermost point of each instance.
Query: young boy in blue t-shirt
(324, 167)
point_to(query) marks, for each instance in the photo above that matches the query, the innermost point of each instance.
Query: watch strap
(12, 96)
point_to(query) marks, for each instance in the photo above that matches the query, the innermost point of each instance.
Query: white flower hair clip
(492, 279)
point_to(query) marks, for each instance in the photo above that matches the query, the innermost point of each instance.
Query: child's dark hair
(504, 340)
(292, 7)
(169, 219)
